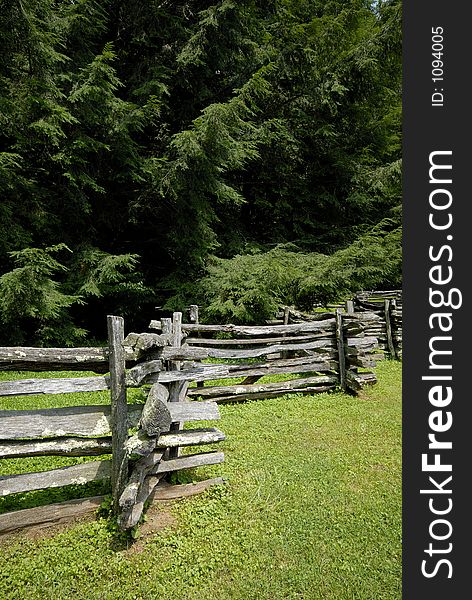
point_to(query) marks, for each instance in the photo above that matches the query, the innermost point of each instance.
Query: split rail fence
(144, 440)
(387, 305)
(321, 354)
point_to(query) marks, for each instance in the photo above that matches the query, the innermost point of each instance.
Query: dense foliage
(234, 154)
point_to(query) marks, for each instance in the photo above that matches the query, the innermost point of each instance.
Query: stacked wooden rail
(320, 355)
(388, 306)
(143, 439)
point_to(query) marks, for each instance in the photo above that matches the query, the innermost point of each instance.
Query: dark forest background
(237, 155)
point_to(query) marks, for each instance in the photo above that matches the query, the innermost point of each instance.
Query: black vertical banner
(437, 357)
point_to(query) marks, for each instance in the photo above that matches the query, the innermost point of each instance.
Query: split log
(140, 343)
(390, 343)
(304, 316)
(77, 474)
(88, 421)
(91, 421)
(99, 384)
(54, 386)
(272, 394)
(280, 386)
(321, 346)
(324, 325)
(141, 468)
(272, 368)
(193, 372)
(362, 342)
(261, 341)
(74, 446)
(64, 512)
(183, 353)
(46, 516)
(136, 375)
(281, 362)
(361, 317)
(191, 437)
(95, 384)
(341, 352)
(119, 406)
(70, 446)
(189, 461)
(92, 358)
(156, 417)
(356, 381)
(55, 359)
(176, 388)
(130, 516)
(140, 444)
(93, 471)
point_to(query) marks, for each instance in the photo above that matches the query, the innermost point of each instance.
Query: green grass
(312, 510)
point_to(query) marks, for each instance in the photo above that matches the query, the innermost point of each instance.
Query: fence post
(286, 315)
(388, 324)
(166, 325)
(193, 313)
(349, 306)
(341, 351)
(119, 407)
(195, 318)
(176, 386)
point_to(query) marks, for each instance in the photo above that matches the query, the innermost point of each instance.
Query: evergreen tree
(158, 140)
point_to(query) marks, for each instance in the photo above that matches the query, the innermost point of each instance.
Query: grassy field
(311, 510)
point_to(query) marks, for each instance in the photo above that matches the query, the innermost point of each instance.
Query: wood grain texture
(189, 461)
(88, 421)
(54, 359)
(257, 342)
(139, 471)
(175, 388)
(67, 446)
(94, 471)
(75, 446)
(47, 516)
(341, 352)
(68, 385)
(77, 474)
(54, 386)
(281, 386)
(318, 345)
(324, 325)
(65, 512)
(119, 407)
(156, 417)
(273, 394)
(388, 324)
